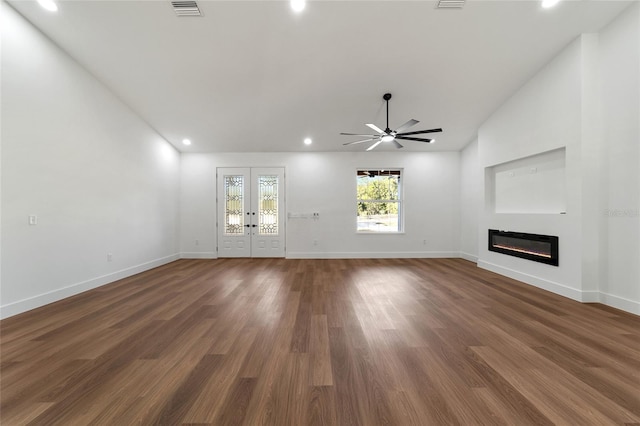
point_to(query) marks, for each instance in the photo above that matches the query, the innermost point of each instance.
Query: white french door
(251, 212)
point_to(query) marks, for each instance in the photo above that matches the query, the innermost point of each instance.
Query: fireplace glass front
(536, 247)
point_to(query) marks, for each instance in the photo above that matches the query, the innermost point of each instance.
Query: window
(379, 201)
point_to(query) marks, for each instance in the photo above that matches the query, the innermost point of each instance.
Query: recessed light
(50, 5)
(186, 142)
(308, 141)
(298, 5)
(546, 4)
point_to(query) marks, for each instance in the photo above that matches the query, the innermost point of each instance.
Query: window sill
(380, 233)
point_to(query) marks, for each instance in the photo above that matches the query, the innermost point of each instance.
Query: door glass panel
(268, 205)
(233, 205)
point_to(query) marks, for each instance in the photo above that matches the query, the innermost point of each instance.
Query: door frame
(249, 205)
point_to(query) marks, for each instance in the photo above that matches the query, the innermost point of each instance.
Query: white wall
(325, 182)
(586, 100)
(619, 46)
(533, 184)
(470, 201)
(98, 178)
(543, 115)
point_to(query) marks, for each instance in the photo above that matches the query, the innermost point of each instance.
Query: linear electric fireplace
(539, 248)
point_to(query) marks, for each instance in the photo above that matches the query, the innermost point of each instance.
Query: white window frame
(399, 201)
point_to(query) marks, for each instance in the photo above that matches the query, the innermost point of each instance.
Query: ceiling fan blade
(397, 144)
(374, 127)
(359, 134)
(362, 141)
(374, 145)
(414, 139)
(420, 131)
(406, 125)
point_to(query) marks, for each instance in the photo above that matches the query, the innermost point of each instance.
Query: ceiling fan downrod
(386, 97)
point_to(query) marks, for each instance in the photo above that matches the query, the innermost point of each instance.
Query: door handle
(247, 226)
(253, 226)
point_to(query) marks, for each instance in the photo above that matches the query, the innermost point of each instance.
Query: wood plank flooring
(320, 342)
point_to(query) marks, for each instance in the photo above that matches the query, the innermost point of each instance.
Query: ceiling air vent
(186, 8)
(451, 4)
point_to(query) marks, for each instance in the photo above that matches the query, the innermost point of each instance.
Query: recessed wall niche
(535, 184)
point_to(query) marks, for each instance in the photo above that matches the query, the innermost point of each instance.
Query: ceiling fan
(388, 135)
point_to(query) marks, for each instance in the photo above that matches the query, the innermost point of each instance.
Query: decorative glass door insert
(268, 205)
(234, 205)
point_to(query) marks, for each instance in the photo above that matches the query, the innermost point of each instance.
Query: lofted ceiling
(253, 76)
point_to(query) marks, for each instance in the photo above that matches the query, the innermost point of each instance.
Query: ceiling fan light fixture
(387, 138)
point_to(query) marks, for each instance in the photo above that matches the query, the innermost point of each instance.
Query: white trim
(34, 302)
(199, 255)
(373, 255)
(591, 296)
(470, 257)
(551, 286)
(621, 303)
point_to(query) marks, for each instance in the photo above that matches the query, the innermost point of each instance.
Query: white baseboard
(199, 255)
(621, 303)
(15, 308)
(591, 296)
(373, 255)
(551, 286)
(467, 256)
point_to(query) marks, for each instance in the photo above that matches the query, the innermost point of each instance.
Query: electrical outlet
(109, 257)
(424, 242)
(33, 220)
(315, 242)
(197, 242)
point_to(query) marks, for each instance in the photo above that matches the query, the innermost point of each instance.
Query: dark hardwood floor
(320, 342)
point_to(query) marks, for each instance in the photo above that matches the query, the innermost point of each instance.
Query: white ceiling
(254, 76)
